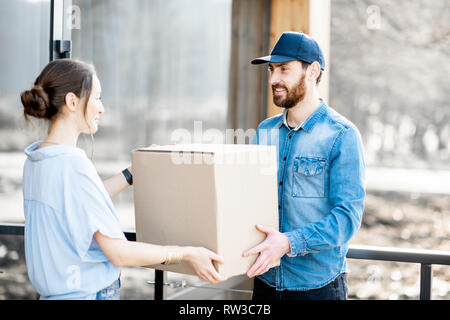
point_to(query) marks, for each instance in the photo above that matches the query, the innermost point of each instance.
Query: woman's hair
(57, 79)
(48, 95)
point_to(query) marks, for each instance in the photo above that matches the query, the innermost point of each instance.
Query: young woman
(74, 244)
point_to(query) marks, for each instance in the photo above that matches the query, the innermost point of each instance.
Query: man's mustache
(279, 86)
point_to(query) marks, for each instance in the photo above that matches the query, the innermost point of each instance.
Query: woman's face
(90, 118)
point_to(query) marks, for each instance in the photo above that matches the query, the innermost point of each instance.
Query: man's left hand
(270, 251)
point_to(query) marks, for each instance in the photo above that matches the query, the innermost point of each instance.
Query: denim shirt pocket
(308, 179)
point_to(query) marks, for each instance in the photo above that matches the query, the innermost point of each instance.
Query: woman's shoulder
(78, 167)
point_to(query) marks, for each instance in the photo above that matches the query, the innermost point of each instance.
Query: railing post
(160, 291)
(426, 276)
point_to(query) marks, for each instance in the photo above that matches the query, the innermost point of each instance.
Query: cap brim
(273, 59)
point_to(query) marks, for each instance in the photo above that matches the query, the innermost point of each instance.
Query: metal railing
(426, 258)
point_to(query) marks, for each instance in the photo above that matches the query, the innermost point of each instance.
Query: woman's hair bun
(35, 102)
(59, 77)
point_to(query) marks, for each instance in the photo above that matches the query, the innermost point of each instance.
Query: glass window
(24, 37)
(163, 65)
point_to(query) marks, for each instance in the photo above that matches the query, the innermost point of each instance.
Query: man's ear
(314, 71)
(71, 100)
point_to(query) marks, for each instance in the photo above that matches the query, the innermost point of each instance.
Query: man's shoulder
(344, 129)
(338, 121)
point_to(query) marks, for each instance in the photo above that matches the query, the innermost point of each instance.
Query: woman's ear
(71, 100)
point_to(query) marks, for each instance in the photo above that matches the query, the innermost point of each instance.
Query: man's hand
(270, 251)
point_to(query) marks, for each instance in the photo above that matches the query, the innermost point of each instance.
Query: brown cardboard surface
(206, 195)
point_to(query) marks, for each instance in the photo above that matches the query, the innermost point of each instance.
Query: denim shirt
(320, 195)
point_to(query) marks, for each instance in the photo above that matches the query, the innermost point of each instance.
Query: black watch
(128, 176)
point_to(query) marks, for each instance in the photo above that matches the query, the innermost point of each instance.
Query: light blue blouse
(65, 203)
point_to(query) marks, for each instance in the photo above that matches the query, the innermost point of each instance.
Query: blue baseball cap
(294, 46)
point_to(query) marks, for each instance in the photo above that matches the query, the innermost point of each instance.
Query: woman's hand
(124, 253)
(201, 260)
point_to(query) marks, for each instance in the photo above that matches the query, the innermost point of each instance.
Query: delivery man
(320, 181)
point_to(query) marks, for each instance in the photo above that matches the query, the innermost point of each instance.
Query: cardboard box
(206, 195)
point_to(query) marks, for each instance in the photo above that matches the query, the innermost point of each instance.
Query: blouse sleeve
(88, 209)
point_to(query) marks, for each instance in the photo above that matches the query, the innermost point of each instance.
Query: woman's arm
(124, 253)
(116, 184)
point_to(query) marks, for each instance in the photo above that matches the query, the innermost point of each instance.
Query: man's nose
(274, 78)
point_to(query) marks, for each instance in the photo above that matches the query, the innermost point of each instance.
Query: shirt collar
(309, 123)
(51, 151)
(286, 123)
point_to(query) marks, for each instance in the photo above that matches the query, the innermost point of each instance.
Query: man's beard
(293, 95)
